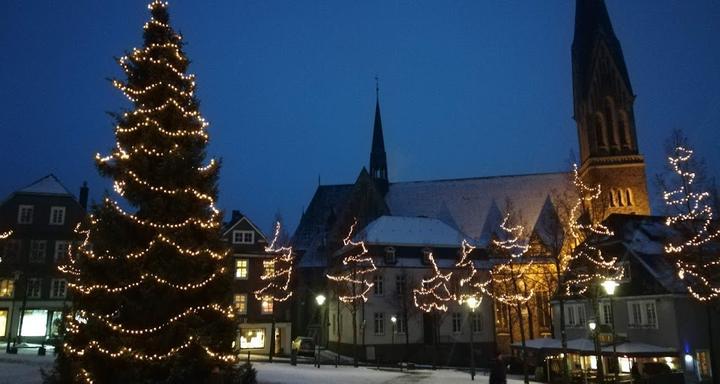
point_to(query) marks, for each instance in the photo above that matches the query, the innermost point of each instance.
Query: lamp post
(592, 324)
(320, 300)
(472, 303)
(393, 320)
(610, 286)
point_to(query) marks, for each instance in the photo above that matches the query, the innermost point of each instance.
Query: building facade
(259, 317)
(33, 294)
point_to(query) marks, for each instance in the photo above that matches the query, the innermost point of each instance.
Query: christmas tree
(277, 276)
(151, 290)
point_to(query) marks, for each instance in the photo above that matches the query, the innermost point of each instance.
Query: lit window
(241, 269)
(243, 237)
(33, 288)
(240, 303)
(703, 364)
(57, 215)
(25, 214)
(6, 288)
(252, 338)
(3, 321)
(34, 322)
(58, 288)
(61, 250)
(456, 322)
(37, 251)
(55, 322)
(379, 323)
(268, 267)
(378, 285)
(266, 305)
(390, 255)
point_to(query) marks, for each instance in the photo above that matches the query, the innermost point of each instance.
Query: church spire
(378, 158)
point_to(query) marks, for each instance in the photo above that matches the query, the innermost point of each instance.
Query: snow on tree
(697, 251)
(151, 292)
(277, 276)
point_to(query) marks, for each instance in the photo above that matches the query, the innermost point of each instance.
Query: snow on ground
(283, 373)
(23, 368)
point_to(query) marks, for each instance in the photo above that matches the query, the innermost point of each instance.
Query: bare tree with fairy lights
(151, 292)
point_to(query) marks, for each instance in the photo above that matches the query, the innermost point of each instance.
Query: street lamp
(610, 286)
(472, 303)
(592, 324)
(393, 320)
(320, 300)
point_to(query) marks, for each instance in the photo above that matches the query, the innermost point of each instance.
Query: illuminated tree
(697, 258)
(4, 236)
(277, 276)
(509, 281)
(466, 275)
(350, 279)
(151, 293)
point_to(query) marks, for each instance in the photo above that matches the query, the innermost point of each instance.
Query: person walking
(498, 371)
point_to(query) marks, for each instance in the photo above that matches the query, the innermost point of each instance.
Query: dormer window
(243, 237)
(426, 255)
(390, 255)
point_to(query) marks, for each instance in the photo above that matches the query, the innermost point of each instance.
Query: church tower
(378, 158)
(603, 108)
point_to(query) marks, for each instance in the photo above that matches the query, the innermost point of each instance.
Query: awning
(640, 349)
(587, 346)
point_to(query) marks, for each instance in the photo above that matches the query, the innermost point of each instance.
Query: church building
(401, 222)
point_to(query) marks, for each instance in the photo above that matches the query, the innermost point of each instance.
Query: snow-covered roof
(48, 185)
(410, 231)
(476, 206)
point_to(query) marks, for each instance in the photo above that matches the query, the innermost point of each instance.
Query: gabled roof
(239, 219)
(476, 206)
(48, 185)
(410, 231)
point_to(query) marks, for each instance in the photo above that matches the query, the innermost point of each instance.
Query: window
(57, 215)
(266, 306)
(61, 250)
(542, 301)
(502, 316)
(400, 284)
(58, 288)
(37, 251)
(629, 197)
(243, 237)
(33, 288)
(252, 338)
(427, 252)
(11, 249)
(268, 267)
(575, 315)
(703, 364)
(240, 303)
(3, 321)
(605, 313)
(379, 323)
(55, 322)
(456, 322)
(400, 324)
(476, 321)
(34, 322)
(642, 314)
(378, 285)
(390, 255)
(6, 288)
(241, 269)
(25, 214)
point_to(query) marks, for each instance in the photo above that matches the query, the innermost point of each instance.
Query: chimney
(235, 216)
(83, 195)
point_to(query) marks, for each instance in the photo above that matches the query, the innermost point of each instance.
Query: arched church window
(629, 197)
(620, 198)
(600, 131)
(624, 128)
(610, 122)
(613, 201)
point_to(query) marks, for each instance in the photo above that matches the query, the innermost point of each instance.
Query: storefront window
(34, 322)
(3, 321)
(252, 338)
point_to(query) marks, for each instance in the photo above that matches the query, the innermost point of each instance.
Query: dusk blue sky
(467, 88)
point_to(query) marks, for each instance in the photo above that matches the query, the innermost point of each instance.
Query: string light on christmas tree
(696, 264)
(434, 292)
(355, 267)
(279, 276)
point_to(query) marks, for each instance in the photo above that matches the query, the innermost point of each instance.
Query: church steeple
(604, 113)
(378, 158)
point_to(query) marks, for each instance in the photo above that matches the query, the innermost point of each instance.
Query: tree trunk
(531, 325)
(518, 309)
(354, 325)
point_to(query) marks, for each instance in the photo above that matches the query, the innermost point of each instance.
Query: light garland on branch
(434, 292)
(694, 264)
(466, 263)
(278, 279)
(587, 264)
(352, 274)
(125, 352)
(87, 289)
